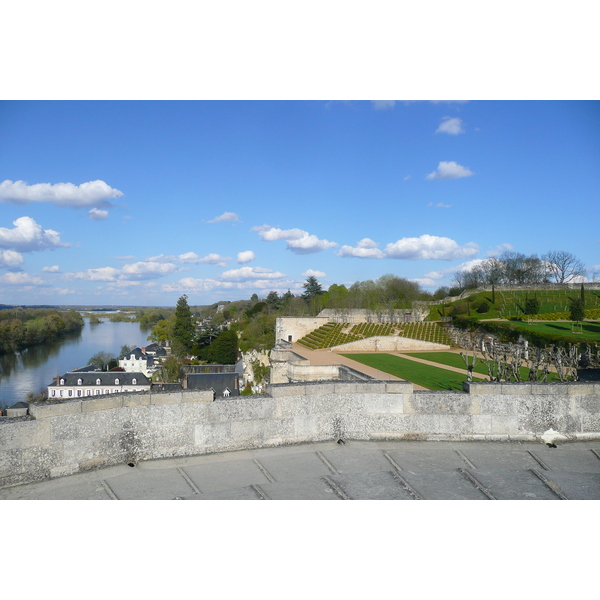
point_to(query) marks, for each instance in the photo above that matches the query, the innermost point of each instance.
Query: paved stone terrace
(404, 470)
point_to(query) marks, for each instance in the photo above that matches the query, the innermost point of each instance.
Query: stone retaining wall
(389, 343)
(61, 438)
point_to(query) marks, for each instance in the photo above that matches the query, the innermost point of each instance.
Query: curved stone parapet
(62, 438)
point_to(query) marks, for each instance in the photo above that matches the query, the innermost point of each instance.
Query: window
(70, 392)
(53, 392)
(62, 381)
(97, 392)
(79, 392)
(117, 381)
(134, 381)
(80, 381)
(98, 381)
(88, 392)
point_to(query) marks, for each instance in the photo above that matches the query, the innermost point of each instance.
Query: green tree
(577, 310)
(170, 371)
(532, 306)
(312, 288)
(183, 330)
(101, 360)
(273, 300)
(126, 349)
(224, 350)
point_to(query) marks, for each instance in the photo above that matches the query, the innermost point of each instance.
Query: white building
(82, 384)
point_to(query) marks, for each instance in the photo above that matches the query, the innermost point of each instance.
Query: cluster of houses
(136, 369)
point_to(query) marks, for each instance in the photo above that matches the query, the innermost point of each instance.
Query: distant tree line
(514, 268)
(22, 328)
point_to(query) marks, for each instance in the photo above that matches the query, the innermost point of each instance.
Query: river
(34, 368)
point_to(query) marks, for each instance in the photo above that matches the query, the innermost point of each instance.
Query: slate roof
(156, 349)
(106, 378)
(138, 355)
(217, 381)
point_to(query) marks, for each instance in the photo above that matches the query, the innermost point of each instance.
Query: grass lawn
(590, 329)
(455, 360)
(432, 378)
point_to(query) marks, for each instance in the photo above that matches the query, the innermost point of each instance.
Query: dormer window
(62, 381)
(98, 381)
(134, 381)
(80, 381)
(117, 381)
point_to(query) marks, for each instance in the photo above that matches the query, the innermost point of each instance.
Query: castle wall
(390, 343)
(61, 438)
(296, 327)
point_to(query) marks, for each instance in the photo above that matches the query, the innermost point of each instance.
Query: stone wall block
(515, 389)
(102, 403)
(136, 399)
(440, 403)
(498, 404)
(197, 396)
(24, 434)
(320, 389)
(456, 424)
(166, 398)
(398, 387)
(384, 404)
(47, 410)
(292, 389)
(11, 461)
(344, 387)
(505, 425)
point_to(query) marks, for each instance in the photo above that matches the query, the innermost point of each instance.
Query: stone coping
(531, 387)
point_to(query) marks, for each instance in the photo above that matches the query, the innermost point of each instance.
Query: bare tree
(563, 266)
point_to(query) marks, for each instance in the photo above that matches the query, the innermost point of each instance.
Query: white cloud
(130, 272)
(366, 248)
(92, 193)
(440, 205)
(299, 241)
(429, 247)
(54, 269)
(449, 170)
(210, 259)
(245, 273)
(425, 281)
(383, 104)
(450, 126)
(426, 247)
(226, 216)
(406, 178)
(190, 285)
(101, 274)
(245, 257)
(28, 236)
(161, 258)
(10, 259)
(499, 250)
(311, 273)
(97, 215)
(21, 279)
(147, 270)
(466, 266)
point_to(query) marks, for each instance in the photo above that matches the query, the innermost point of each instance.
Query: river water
(34, 368)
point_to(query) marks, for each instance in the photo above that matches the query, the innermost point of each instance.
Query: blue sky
(138, 202)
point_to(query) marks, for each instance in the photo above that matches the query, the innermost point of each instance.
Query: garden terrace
(335, 334)
(511, 303)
